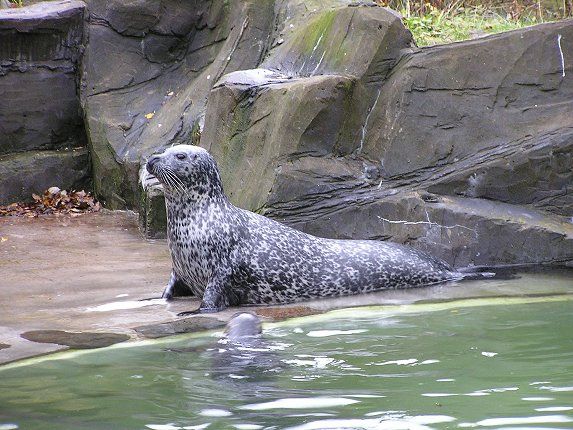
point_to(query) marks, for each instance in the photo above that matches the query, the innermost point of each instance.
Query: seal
(230, 256)
(243, 327)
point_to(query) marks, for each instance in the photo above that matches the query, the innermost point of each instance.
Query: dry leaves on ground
(53, 201)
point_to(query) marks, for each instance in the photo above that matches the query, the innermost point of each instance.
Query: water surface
(481, 363)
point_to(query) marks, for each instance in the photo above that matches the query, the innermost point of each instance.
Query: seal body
(230, 256)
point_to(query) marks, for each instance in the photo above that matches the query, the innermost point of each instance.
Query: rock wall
(324, 115)
(147, 71)
(42, 136)
(463, 150)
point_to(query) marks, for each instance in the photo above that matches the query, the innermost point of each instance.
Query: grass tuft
(444, 21)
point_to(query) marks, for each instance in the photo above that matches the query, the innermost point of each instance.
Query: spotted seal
(230, 256)
(243, 327)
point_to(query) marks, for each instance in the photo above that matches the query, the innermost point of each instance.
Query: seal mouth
(165, 175)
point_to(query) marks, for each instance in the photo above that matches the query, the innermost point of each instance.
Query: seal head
(186, 170)
(243, 327)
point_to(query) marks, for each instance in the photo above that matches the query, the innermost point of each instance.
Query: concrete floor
(79, 282)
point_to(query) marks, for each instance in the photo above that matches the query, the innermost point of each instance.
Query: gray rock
(152, 215)
(31, 118)
(449, 102)
(536, 170)
(82, 340)
(162, 66)
(40, 47)
(258, 131)
(33, 172)
(186, 325)
(39, 51)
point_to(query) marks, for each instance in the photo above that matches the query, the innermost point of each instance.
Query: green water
(474, 364)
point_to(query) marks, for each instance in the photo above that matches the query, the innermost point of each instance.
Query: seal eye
(181, 156)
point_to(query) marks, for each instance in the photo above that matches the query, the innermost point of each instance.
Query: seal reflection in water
(230, 256)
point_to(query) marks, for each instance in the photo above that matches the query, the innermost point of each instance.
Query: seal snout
(151, 163)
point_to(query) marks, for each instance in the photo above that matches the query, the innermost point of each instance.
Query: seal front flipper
(175, 288)
(217, 296)
(168, 291)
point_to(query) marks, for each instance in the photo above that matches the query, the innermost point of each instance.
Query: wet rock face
(449, 149)
(40, 112)
(456, 101)
(22, 174)
(146, 80)
(324, 115)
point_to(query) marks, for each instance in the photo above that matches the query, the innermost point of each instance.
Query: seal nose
(151, 162)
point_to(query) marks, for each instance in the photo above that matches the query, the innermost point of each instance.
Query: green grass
(437, 27)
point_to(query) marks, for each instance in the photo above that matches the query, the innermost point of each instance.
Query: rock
(536, 170)
(39, 52)
(152, 215)
(186, 325)
(40, 47)
(257, 129)
(363, 42)
(31, 118)
(449, 102)
(83, 340)
(169, 58)
(33, 172)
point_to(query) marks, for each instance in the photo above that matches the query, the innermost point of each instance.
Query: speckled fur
(231, 256)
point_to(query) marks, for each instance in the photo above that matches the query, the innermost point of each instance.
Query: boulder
(35, 171)
(40, 48)
(449, 149)
(257, 131)
(39, 54)
(145, 81)
(449, 102)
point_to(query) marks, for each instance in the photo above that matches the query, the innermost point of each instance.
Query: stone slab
(35, 171)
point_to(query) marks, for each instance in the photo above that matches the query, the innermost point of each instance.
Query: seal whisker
(164, 176)
(174, 177)
(175, 181)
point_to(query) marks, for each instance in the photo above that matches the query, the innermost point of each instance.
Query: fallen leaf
(3, 239)
(53, 202)
(149, 115)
